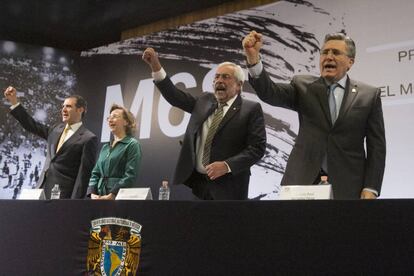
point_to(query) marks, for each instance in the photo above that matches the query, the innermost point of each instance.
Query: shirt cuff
(228, 167)
(159, 75)
(91, 190)
(14, 106)
(256, 69)
(371, 190)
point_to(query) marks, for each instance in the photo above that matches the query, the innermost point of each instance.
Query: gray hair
(238, 71)
(350, 44)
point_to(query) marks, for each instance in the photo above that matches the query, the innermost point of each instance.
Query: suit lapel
(233, 109)
(207, 109)
(319, 88)
(351, 91)
(54, 140)
(73, 139)
(210, 108)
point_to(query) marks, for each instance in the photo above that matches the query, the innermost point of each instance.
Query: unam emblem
(114, 247)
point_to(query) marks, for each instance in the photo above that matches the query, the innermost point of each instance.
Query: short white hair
(238, 71)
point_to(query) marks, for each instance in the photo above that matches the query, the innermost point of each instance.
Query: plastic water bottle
(324, 180)
(55, 193)
(164, 193)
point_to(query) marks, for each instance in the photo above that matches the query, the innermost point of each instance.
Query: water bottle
(324, 180)
(55, 193)
(164, 193)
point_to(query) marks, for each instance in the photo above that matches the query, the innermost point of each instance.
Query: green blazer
(116, 167)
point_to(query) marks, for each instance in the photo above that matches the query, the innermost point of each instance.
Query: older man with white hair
(225, 135)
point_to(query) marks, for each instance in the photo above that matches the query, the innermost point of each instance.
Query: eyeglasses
(335, 52)
(112, 117)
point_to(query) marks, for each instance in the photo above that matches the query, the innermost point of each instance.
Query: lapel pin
(354, 90)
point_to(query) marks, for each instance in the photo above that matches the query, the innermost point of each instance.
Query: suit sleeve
(28, 123)
(131, 168)
(276, 94)
(95, 176)
(88, 159)
(255, 143)
(175, 96)
(376, 147)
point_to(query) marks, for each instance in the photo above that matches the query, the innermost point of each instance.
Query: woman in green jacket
(119, 160)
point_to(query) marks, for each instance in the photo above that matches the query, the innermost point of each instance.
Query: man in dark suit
(336, 115)
(71, 151)
(225, 135)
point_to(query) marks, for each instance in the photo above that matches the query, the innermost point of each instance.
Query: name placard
(134, 194)
(35, 194)
(306, 192)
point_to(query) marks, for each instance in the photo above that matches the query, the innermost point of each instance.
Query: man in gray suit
(338, 116)
(71, 150)
(225, 135)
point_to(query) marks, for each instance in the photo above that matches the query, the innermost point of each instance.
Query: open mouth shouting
(329, 67)
(220, 87)
(332, 71)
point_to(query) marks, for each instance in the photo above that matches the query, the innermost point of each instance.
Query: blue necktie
(332, 109)
(332, 102)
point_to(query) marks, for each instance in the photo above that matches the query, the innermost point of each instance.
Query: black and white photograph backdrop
(43, 78)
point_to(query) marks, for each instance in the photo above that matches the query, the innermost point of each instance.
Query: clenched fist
(251, 46)
(10, 94)
(151, 58)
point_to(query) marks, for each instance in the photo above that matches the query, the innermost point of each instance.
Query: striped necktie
(217, 117)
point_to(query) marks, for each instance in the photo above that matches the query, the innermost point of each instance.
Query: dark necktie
(217, 117)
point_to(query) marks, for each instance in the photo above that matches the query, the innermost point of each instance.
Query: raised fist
(151, 58)
(11, 95)
(251, 46)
